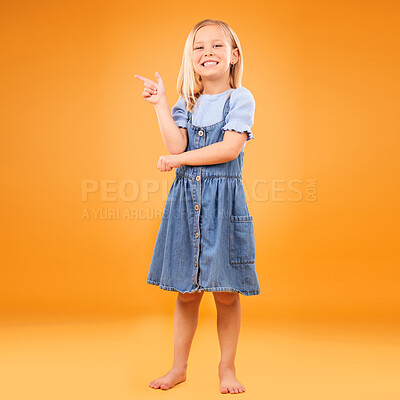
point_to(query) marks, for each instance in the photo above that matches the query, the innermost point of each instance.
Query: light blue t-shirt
(209, 108)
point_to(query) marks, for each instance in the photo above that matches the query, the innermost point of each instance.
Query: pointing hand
(153, 91)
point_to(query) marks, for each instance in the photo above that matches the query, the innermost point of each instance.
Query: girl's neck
(215, 88)
(215, 94)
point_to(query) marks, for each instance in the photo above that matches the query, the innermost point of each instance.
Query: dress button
(197, 234)
(201, 133)
(196, 206)
(197, 177)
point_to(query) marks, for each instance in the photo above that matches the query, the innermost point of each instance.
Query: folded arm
(226, 150)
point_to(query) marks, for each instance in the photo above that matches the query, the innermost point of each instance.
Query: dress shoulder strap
(227, 105)
(190, 116)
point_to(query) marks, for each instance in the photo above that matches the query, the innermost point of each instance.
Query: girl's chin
(205, 71)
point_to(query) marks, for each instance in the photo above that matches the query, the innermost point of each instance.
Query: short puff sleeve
(179, 114)
(240, 117)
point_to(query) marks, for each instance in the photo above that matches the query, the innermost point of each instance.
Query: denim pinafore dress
(205, 240)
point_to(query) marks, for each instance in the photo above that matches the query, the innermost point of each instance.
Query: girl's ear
(235, 55)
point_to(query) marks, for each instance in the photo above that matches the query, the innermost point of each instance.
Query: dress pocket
(242, 248)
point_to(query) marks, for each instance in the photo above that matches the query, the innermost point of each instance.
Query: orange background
(325, 81)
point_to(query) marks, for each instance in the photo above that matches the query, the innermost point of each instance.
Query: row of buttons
(197, 206)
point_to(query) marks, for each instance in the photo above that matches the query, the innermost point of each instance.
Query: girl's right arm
(175, 138)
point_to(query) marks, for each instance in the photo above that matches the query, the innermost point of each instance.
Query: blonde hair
(190, 85)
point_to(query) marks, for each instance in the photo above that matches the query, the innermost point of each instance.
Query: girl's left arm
(226, 150)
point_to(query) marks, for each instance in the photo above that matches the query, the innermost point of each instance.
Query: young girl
(205, 240)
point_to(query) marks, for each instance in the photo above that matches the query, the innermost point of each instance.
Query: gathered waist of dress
(205, 171)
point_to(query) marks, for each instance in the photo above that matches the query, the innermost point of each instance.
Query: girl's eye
(200, 47)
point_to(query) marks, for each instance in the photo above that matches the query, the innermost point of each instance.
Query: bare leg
(185, 324)
(228, 325)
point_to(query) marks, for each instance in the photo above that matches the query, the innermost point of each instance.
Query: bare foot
(170, 379)
(229, 383)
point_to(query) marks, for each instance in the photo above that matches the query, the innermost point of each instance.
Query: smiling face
(212, 53)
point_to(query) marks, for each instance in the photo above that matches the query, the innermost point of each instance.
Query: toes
(164, 386)
(233, 390)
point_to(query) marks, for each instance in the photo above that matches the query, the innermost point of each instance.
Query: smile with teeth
(209, 64)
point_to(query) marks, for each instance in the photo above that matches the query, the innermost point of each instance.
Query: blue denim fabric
(206, 241)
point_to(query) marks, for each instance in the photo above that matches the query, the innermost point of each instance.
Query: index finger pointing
(142, 78)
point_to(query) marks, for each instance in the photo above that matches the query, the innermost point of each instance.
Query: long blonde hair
(190, 85)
